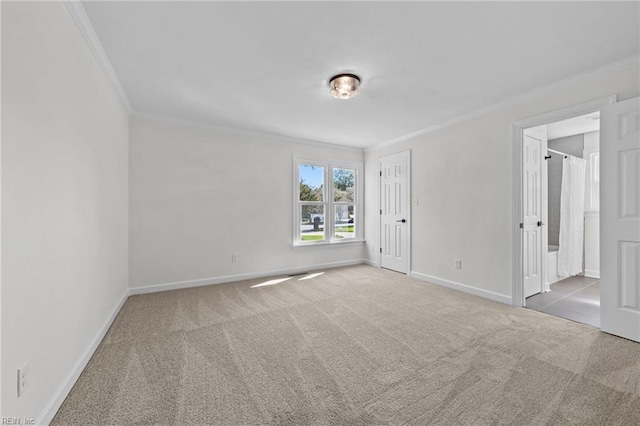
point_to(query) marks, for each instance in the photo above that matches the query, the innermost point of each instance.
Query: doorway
(569, 283)
(536, 207)
(619, 208)
(395, 213)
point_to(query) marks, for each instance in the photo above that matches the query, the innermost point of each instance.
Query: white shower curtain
(571, 217)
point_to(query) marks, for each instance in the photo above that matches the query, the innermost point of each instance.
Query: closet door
(394, 212)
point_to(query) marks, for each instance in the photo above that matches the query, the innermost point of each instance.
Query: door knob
(402, 220)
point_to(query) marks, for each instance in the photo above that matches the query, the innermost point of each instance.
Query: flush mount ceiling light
(344, 86)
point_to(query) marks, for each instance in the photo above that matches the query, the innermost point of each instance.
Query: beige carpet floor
(353, 346)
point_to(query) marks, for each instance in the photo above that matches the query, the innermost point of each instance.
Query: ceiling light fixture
(344, 86)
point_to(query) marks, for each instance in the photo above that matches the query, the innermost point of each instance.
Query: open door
(620, 219)
(534, 145)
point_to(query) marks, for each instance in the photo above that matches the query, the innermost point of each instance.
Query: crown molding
(86, 28)
(243, 132)
(536, 93)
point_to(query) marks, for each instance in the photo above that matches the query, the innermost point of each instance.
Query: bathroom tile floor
(575, 298)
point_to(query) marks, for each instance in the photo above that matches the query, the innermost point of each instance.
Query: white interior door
(620, 219)
(394, 212)
(532, 212)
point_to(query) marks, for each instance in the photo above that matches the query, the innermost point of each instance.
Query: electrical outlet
(457, 263)
(234, 258)
(23, 379)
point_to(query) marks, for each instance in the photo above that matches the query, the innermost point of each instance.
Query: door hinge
(380, 173)
(380, 211)
(521, 226)
(380, 249)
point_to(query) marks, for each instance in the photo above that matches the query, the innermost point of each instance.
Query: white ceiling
(574, 126)
(264, 66)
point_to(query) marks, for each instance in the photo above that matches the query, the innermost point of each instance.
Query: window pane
(311, 182)
(344, 181)
(312, 223)
(345, 222)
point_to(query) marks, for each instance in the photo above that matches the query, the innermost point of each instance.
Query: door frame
(517, 290)
(407, 154)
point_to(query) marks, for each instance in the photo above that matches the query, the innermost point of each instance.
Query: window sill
(325, 244)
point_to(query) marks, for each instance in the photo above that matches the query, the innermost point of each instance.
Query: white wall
(198, 194)
(2, 376)
(64, 201)
(592, 245)
(462, 177)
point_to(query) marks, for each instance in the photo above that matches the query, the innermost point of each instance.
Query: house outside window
(327, 200)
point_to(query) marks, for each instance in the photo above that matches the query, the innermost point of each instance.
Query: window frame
(328, 202)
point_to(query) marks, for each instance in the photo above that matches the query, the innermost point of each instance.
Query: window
(592, 195)
(327, 200)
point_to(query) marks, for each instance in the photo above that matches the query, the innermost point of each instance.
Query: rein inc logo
(17, 421)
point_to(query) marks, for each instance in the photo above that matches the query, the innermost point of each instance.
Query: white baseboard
(371, 263)
(462, 287)
(554, 279)
(591, 273)
(58, 398)
(239, 277)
